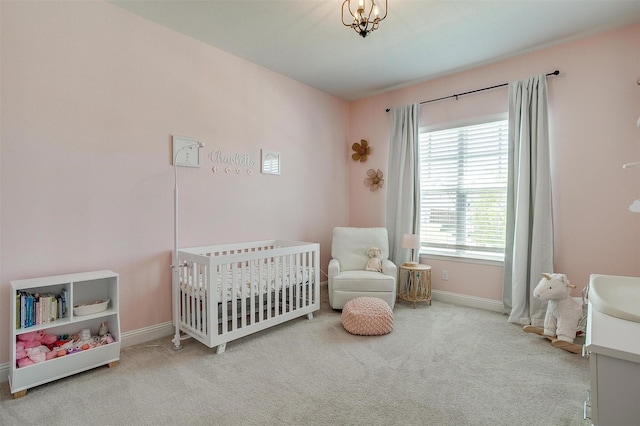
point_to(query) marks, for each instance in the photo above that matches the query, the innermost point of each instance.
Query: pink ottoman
(367, 316)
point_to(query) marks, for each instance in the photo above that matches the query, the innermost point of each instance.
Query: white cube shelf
(79, 288)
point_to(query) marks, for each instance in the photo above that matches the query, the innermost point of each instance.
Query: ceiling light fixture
(365, 18)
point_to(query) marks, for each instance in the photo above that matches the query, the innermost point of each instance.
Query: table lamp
(411, 242)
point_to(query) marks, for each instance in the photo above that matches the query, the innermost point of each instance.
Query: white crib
(232, 290)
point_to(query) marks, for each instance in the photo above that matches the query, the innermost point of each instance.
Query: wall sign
(186, 152)
(270, 162)
(235, 163)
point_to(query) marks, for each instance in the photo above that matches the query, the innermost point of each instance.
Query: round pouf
(367, 316)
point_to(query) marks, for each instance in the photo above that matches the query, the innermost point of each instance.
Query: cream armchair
(348, 277)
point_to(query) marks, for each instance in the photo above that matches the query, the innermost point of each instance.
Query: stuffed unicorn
(564, 312)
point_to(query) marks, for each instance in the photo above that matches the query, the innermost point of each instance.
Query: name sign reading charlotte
(217, 157)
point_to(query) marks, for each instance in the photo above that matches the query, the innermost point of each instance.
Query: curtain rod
(556, 72)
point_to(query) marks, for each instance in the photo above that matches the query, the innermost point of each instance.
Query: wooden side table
(414, 283)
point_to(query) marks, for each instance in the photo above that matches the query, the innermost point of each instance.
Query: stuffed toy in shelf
(564, 312)
(32, 348)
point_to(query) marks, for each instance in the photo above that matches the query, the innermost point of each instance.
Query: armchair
(347, 277)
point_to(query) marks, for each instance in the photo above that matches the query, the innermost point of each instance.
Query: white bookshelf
(79, 288)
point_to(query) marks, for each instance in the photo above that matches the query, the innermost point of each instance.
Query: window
(463, 185)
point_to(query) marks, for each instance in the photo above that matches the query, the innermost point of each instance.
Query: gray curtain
(529, 243)
(403, 181)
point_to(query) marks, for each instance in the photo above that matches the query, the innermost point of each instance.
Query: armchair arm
(389, 268)
(334, 269)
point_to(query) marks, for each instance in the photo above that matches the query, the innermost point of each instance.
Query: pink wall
(91, 96)
(594, 104)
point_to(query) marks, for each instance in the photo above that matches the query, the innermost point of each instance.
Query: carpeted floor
(441, 365)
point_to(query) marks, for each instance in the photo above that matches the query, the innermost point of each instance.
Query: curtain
(403, 181)
(529, 236)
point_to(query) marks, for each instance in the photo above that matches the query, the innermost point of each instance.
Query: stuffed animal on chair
(374, 263)
(564, 312)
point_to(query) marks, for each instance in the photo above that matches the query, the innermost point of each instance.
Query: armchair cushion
(350, 245)
(363, 280)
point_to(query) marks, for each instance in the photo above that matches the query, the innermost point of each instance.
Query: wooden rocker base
(556, 343)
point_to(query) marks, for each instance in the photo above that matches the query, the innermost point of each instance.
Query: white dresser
(613, 346)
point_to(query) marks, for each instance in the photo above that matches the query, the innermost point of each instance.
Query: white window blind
(463, 172)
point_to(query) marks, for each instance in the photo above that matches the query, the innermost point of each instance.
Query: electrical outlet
(445, 275)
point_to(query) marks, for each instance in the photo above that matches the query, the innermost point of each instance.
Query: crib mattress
(264, 278)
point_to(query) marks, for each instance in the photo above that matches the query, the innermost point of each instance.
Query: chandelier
(365, 18)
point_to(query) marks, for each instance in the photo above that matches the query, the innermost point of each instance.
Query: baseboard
(4, 372)
(462, 300)
(469, 301)
(146, 334)
(130, 338)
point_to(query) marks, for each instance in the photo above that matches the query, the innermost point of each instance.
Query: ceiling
(418, 41)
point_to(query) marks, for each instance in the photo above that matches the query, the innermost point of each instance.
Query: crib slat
(195, 307)
(223, 300)
(243, 300)
(267, 278)
(302, 281)
(306, 282)
(295, 283)
(286, 283)
(189, 309)
(202, 299)
(214, 300)
(279, 264)
(298, 282)
(261, 301)
(278, 286)
(252, 292)
(204, 305)
(183, 295)
(234, 292)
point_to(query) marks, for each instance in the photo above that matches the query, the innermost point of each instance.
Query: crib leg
(310, 315)
(220, 349)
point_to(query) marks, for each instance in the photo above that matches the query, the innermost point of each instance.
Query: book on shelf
(59, 306)
(30, 303)
(64, 298)
(17, 310)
